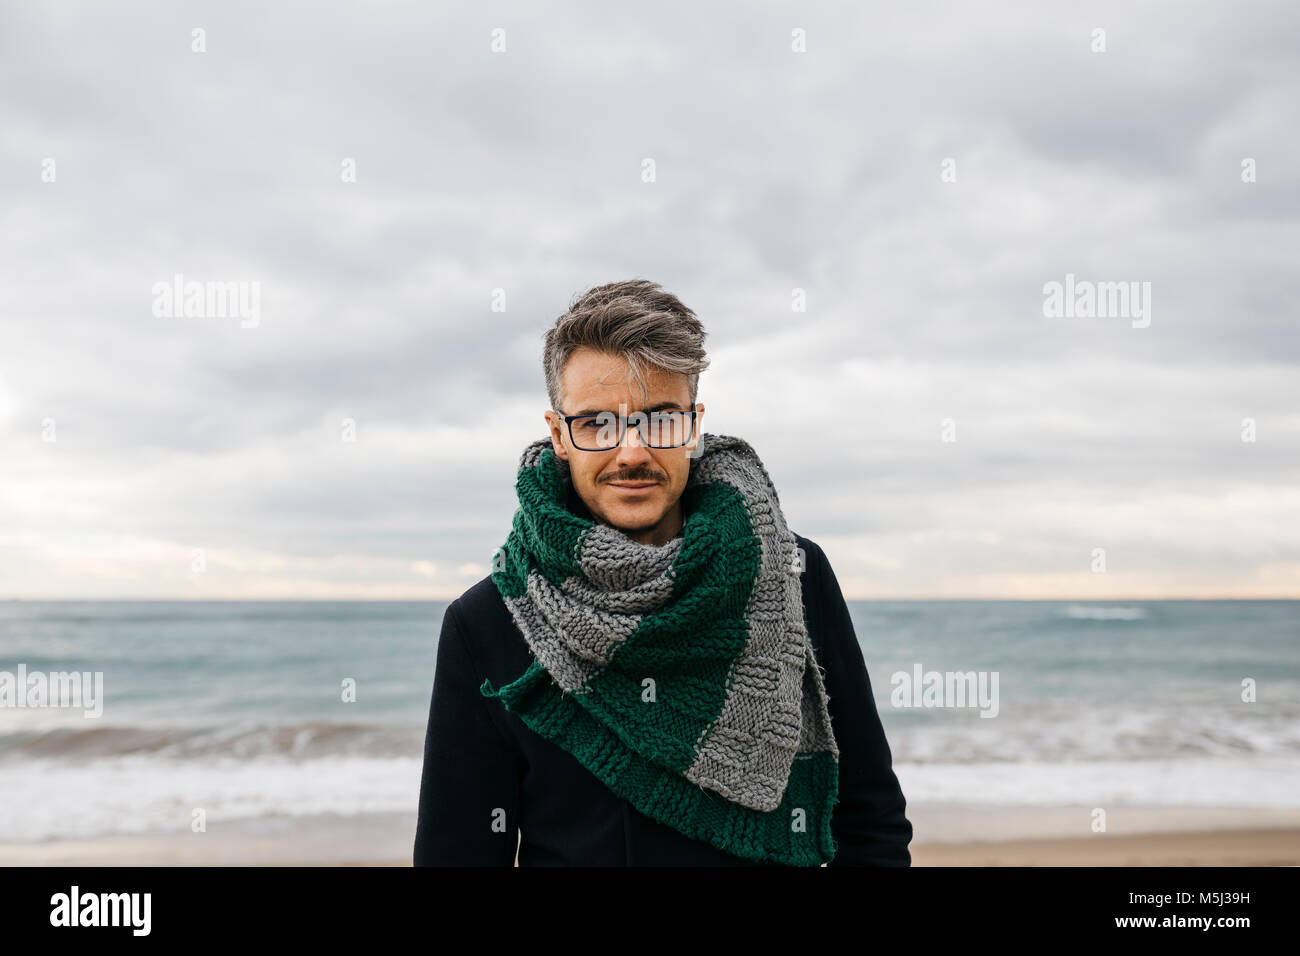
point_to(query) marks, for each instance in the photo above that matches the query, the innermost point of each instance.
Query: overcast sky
(147, 455)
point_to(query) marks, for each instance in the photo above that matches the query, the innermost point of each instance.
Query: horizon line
(429, 600)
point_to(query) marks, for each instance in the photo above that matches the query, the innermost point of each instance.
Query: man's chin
(627, 517)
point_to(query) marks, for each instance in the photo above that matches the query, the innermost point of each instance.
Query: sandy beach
(1134, 836)
(1224, 848)
(945, 836)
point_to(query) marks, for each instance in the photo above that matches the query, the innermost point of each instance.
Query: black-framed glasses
(668, 428)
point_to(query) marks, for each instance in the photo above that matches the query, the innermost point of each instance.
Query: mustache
(637, 474)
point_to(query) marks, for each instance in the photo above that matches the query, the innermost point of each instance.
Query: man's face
(608, 480)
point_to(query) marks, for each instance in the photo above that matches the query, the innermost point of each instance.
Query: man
(657, 671)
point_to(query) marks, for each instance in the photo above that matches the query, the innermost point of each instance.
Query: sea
(275, 709)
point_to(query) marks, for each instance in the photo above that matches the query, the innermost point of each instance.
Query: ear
(693, 450)
(556, 426)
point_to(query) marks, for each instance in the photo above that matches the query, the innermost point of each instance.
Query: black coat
(480, 759)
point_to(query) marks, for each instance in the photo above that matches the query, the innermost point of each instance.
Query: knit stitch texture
(680, 675)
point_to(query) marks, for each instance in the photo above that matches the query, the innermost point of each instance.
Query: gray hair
(634, 318)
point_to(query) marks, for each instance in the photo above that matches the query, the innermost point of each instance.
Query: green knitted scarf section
(685, 628)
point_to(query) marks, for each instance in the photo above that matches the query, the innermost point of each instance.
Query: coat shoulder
(493, 638)
(478, 603)
(814, 558)
(814, 568)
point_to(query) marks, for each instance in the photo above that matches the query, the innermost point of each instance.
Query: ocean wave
(142, 794)
(60, 799)
(80, 782)
(303, 741)
(1205, 782)
(1074, 732)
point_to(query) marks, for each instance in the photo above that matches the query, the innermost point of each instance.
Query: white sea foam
(52, 799)
(1067, 730)
(1255, 782)
(126, 795)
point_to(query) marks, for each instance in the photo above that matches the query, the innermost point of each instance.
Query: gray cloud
(775, 170)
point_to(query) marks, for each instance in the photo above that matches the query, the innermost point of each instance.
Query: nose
(632, 443)
(633, 451)
(632, 434)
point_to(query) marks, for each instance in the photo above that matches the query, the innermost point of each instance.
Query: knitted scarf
(680, 675)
